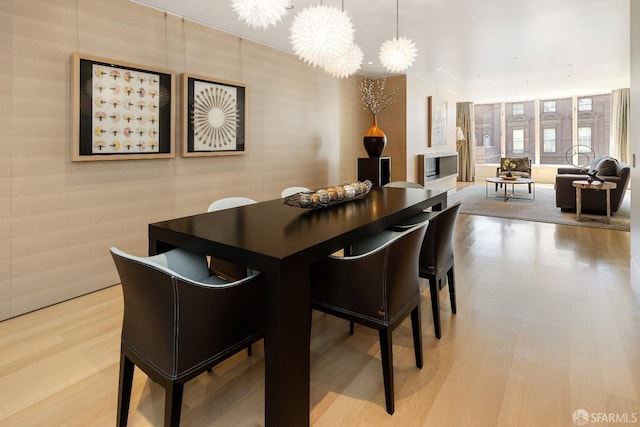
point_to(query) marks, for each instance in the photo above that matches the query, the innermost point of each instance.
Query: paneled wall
(58, 218)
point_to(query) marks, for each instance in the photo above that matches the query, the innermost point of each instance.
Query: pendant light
(261, 13)
(398, 54)
(320, 35)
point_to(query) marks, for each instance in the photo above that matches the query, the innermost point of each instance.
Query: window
(585, 104)
(549, 142)
(517, 109)
(584, 139)
(563, 128)
(518, 140)
(549, 106)
(487, 133)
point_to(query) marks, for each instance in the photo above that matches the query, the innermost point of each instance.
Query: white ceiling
(481, 51)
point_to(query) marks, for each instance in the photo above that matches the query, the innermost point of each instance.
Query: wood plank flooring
(547, 323)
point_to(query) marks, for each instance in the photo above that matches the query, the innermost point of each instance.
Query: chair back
(290, 191)
(519, 165)
(378, 284)
(436, 256)
(403, 184)
(229, 202)
(176, 326)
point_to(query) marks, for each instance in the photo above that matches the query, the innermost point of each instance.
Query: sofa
(606, 168)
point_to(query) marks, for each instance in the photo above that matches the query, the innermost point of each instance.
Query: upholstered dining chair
(229, 202)
(403, 184)
(179, 322)
(436, 255)
(225, 269)
(437, 261)
(375, 286)
(290, 191)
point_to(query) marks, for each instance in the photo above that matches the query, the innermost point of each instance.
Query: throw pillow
(607, 167)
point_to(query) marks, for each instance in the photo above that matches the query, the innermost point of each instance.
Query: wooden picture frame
(437, 122)
(213, 117)
(120, 111)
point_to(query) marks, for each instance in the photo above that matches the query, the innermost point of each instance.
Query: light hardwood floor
(547, 323)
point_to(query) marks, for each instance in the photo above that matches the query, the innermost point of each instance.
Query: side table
(595, 185)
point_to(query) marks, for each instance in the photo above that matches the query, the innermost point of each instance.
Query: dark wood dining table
(283, 242)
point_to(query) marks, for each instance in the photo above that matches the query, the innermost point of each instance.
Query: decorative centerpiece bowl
(509, 177)
(325, 197)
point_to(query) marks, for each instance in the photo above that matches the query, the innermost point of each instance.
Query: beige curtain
(620, 144)
(466, 148)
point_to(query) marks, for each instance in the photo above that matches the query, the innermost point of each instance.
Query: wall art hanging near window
(120, 110)
(437, 130)
(213, 117)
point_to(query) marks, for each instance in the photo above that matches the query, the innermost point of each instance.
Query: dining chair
(375, 286)
(290, 191)
(229, 202)
(437, 260)
(436, 255)
(403, 184)
(226, 269)
(179, 322)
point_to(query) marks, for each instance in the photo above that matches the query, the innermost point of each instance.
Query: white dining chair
(290, 191)
(229, 202)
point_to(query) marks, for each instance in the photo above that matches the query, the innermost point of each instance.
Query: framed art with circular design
(213, 117)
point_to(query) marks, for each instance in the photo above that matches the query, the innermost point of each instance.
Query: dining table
(282, 242)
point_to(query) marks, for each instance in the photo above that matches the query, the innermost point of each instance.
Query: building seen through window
(550, 137)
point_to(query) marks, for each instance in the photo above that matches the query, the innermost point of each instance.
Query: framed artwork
(437, 119)
(120, 110)
(213, 117)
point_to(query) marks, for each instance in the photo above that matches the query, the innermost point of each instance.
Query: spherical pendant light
(347, 64)
(398, 54)
(260, 13)
(321, 34)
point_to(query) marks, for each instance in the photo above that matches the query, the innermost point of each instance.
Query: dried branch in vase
(373, 94)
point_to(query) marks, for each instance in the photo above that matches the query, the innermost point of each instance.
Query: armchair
(607, 168)
(514, 166)
(179, 322)
(377, 286)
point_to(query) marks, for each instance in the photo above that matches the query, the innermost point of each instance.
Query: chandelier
(398, 54)
(347, 64)
(261, 13)
(321, 35)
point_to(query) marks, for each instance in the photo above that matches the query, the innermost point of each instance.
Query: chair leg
(435, 305)
(416, 328)
(452, 289)
(124, 390)
(351, 327)
(173, 404)
(249, 352)
(387, 368)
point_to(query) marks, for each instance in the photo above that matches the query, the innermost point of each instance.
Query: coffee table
(595, 185)
(513, 182)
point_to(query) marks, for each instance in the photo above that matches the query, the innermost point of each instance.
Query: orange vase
(375, 140)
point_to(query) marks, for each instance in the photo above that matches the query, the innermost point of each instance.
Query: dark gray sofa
(592, 201)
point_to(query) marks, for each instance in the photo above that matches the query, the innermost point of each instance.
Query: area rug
(542, 209)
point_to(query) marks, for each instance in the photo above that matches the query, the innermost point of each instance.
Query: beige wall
(58, 218)
(416, 123)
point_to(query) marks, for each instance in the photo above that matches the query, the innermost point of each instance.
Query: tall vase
(375, 140)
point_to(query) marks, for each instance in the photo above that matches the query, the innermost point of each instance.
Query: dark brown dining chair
(376, 286)
(179, 322)
(436, 255)
(437, 261)
(225, 269)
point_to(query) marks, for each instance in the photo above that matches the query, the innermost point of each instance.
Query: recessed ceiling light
(439, 69)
